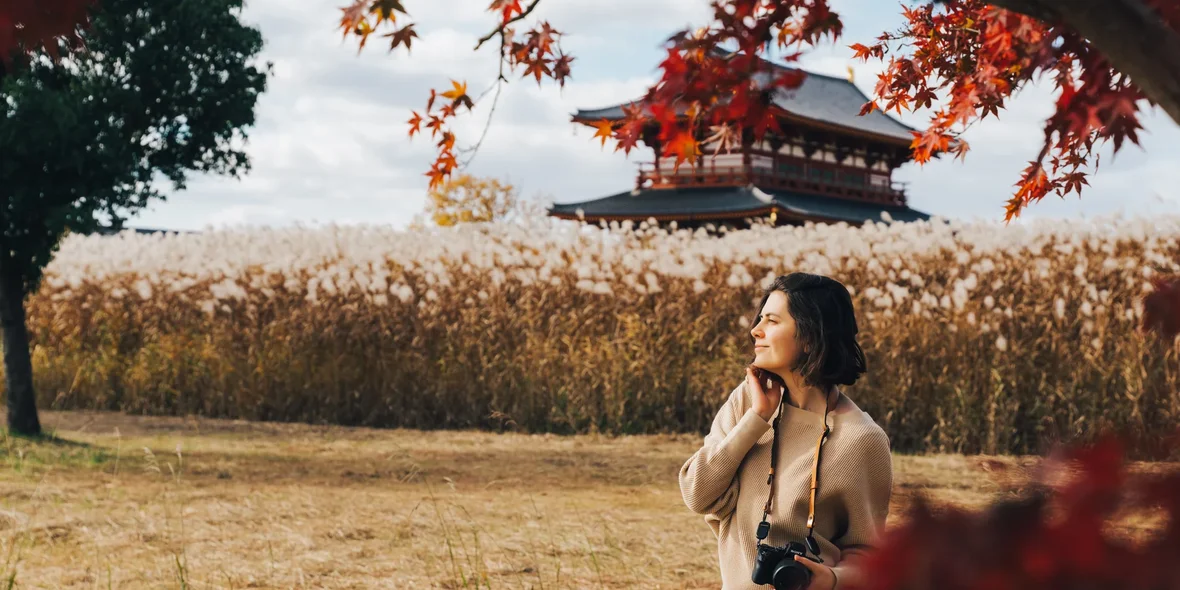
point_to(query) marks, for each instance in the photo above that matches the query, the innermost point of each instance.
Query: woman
(804, 338)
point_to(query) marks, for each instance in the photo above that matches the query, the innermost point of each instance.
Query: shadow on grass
(48, 449)
(48, 439)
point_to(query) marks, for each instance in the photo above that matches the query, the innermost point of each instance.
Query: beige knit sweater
(726, 481)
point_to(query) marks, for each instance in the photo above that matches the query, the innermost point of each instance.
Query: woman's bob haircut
(825, 327)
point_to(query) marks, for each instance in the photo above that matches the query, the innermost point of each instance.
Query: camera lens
(791, 575)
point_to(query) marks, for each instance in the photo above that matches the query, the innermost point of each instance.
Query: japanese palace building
(828, 165)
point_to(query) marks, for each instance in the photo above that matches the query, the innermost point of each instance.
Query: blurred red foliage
(1055, 535)
(28, 25)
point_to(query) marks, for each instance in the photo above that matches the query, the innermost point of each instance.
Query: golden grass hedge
(980, 337)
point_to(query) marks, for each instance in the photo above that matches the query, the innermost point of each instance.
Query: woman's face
(775, 346)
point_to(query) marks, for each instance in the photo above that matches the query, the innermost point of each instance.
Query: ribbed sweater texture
(725, 480)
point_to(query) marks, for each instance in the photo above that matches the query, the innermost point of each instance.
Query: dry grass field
(122, 501)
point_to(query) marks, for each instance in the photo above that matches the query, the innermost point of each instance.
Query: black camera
(777, 565)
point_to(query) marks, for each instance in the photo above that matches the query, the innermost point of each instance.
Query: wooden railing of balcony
(800, 179)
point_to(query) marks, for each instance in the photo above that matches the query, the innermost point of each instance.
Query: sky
(330, 144)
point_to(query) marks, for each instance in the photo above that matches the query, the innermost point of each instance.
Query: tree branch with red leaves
(537, 51)
(30, 25)
(974, 55)
(1140, 38)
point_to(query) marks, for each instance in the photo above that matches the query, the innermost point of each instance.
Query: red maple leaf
(538, 68)
(458, 95)
(684, 146)
(506, 8)
(415, 123)
(604, 130)
(1033, 187)
(402, 36)
(561, 69)
(1073, 181)
(435, 125)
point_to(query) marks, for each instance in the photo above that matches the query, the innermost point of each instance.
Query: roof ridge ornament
(760, 194)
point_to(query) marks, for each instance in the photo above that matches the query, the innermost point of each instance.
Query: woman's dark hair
(825, 327)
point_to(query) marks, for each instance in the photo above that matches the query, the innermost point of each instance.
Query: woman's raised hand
(766, 401)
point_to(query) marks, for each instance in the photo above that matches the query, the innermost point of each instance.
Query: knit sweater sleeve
(707, 480)
(867, 505)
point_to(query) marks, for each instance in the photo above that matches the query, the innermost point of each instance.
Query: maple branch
(473, 150)
(499, 84)
(500, 29)
(1136, 40)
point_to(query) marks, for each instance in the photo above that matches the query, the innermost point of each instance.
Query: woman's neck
(807, 397)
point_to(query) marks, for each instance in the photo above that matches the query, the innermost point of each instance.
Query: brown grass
(266, 505)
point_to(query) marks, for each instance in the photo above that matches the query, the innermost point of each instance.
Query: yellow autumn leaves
(467, 199)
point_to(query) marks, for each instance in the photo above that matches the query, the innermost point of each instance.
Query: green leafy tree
(156, 90)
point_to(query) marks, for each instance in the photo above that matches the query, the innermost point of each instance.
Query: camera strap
(764, 526)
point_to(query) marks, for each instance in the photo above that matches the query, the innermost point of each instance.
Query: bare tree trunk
(1129, 33)
(18, 366)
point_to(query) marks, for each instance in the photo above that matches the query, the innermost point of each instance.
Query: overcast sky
(331, 146)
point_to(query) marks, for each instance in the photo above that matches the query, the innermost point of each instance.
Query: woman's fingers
(775, 394)
(811, 565)
(822, 576)
(754, 382)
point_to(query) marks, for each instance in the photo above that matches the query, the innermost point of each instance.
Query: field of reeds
(981, 338)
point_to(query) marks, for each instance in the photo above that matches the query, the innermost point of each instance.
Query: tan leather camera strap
(764, 526)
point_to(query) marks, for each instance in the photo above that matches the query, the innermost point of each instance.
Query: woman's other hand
(822, 576)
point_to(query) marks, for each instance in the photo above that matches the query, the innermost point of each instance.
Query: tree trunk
(18, 366)
(1129, 33)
